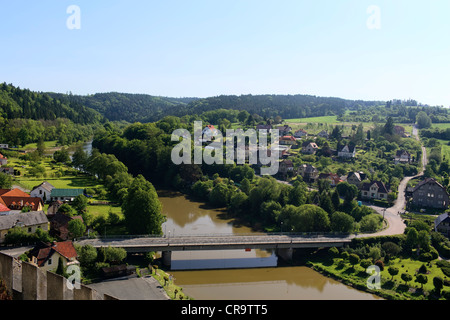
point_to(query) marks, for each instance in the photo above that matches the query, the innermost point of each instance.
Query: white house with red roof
(46, 255)
(3, 160)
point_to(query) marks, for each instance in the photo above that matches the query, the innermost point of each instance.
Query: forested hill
(285, 106)
(146, 108)
(17, 103)
(131, 107)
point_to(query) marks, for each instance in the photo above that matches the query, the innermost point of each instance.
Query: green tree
(423, 120)
(115, 255)
(342, 222)
(406, 277)
(5, 181)
(76, 228)
(393, 271)
(80, 203)
(142, 208)
(62, 156)
(87, 255)
(438, 285)
(422, 279)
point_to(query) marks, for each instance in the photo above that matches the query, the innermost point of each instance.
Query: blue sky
(205, 48)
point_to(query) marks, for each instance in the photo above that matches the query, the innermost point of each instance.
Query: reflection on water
(266, 282)
(193, 218)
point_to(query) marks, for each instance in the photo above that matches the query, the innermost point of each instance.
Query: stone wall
(31, 283)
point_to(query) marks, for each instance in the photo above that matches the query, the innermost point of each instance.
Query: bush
(426, 257)
(333, 251)
(380, 264)
(423, 269)
(365, 263)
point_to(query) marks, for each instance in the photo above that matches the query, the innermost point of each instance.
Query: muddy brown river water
(238, 274)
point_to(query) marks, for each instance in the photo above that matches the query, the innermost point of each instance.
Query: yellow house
(47, 255)
(29, 221)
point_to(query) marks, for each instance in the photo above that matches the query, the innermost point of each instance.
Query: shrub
(423, 269)
(380, 264)
(365, 263)
(344, 255)
(333, 251)
(406, 277)
(393, 271)
(426, 257)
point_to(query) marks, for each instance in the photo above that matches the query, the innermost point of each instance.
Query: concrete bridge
(284, 244)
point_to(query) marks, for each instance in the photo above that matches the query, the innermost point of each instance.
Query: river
(249, 275)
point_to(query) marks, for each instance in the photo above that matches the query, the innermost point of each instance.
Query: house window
(29, 229)
(50, 261)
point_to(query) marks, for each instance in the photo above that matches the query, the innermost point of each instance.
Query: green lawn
(325, 119)
(390, 288)
(441, 125)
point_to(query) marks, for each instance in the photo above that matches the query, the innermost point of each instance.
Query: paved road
(395, 222)
(132, 288)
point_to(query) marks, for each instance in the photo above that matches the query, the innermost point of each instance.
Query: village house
(286, 166)
(308, 172)
(208, 132)
(42, 191)
(332, 178)
(309, 148)
(402, 156)
(16, 199)
(4, 146)
(28, 221)
(284, 130)
(374, 190)
(3, 160)
(288, 140)
(59, 225)
(323, 134)
(347, 152)
(442, 224)
(265, 127)
(65, 195)
(430, 194)
(7, 170)
(300, 133)
(47, 255)
(356, 178)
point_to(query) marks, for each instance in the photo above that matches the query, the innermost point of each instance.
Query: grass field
(395, 287)
(441, 125)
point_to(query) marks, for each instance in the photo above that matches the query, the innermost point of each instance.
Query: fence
(25, 281)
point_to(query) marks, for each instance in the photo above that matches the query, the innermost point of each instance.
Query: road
(392, 216)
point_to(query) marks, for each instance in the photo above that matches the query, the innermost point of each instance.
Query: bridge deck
(219, 242)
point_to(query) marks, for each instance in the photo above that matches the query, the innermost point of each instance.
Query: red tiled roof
(65, 249)
(3, 208)
(23, 201)
(16, 193)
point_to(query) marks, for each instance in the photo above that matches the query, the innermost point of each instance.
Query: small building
(332, 178)
(264, 127)
(53, 208)
(309, 148)
(286, 166)
(42, 191)
(300, 133)
(3, 160)
(59, 225)
(308, 172)
(284, 130)
(7, 170)
(430, 194)
(209, 131)
(374, 190)
(46, 255)
(4, 146)
(347, 152)
(442, 224)
(29, 221)
(65, 195)
(402, 156)
(288, 140)
(323, 134)
(356, 178)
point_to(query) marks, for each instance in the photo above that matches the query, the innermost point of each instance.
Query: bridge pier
(285, 254)
(167, 258)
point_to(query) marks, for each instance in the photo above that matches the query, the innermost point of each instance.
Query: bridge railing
(223, 235)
